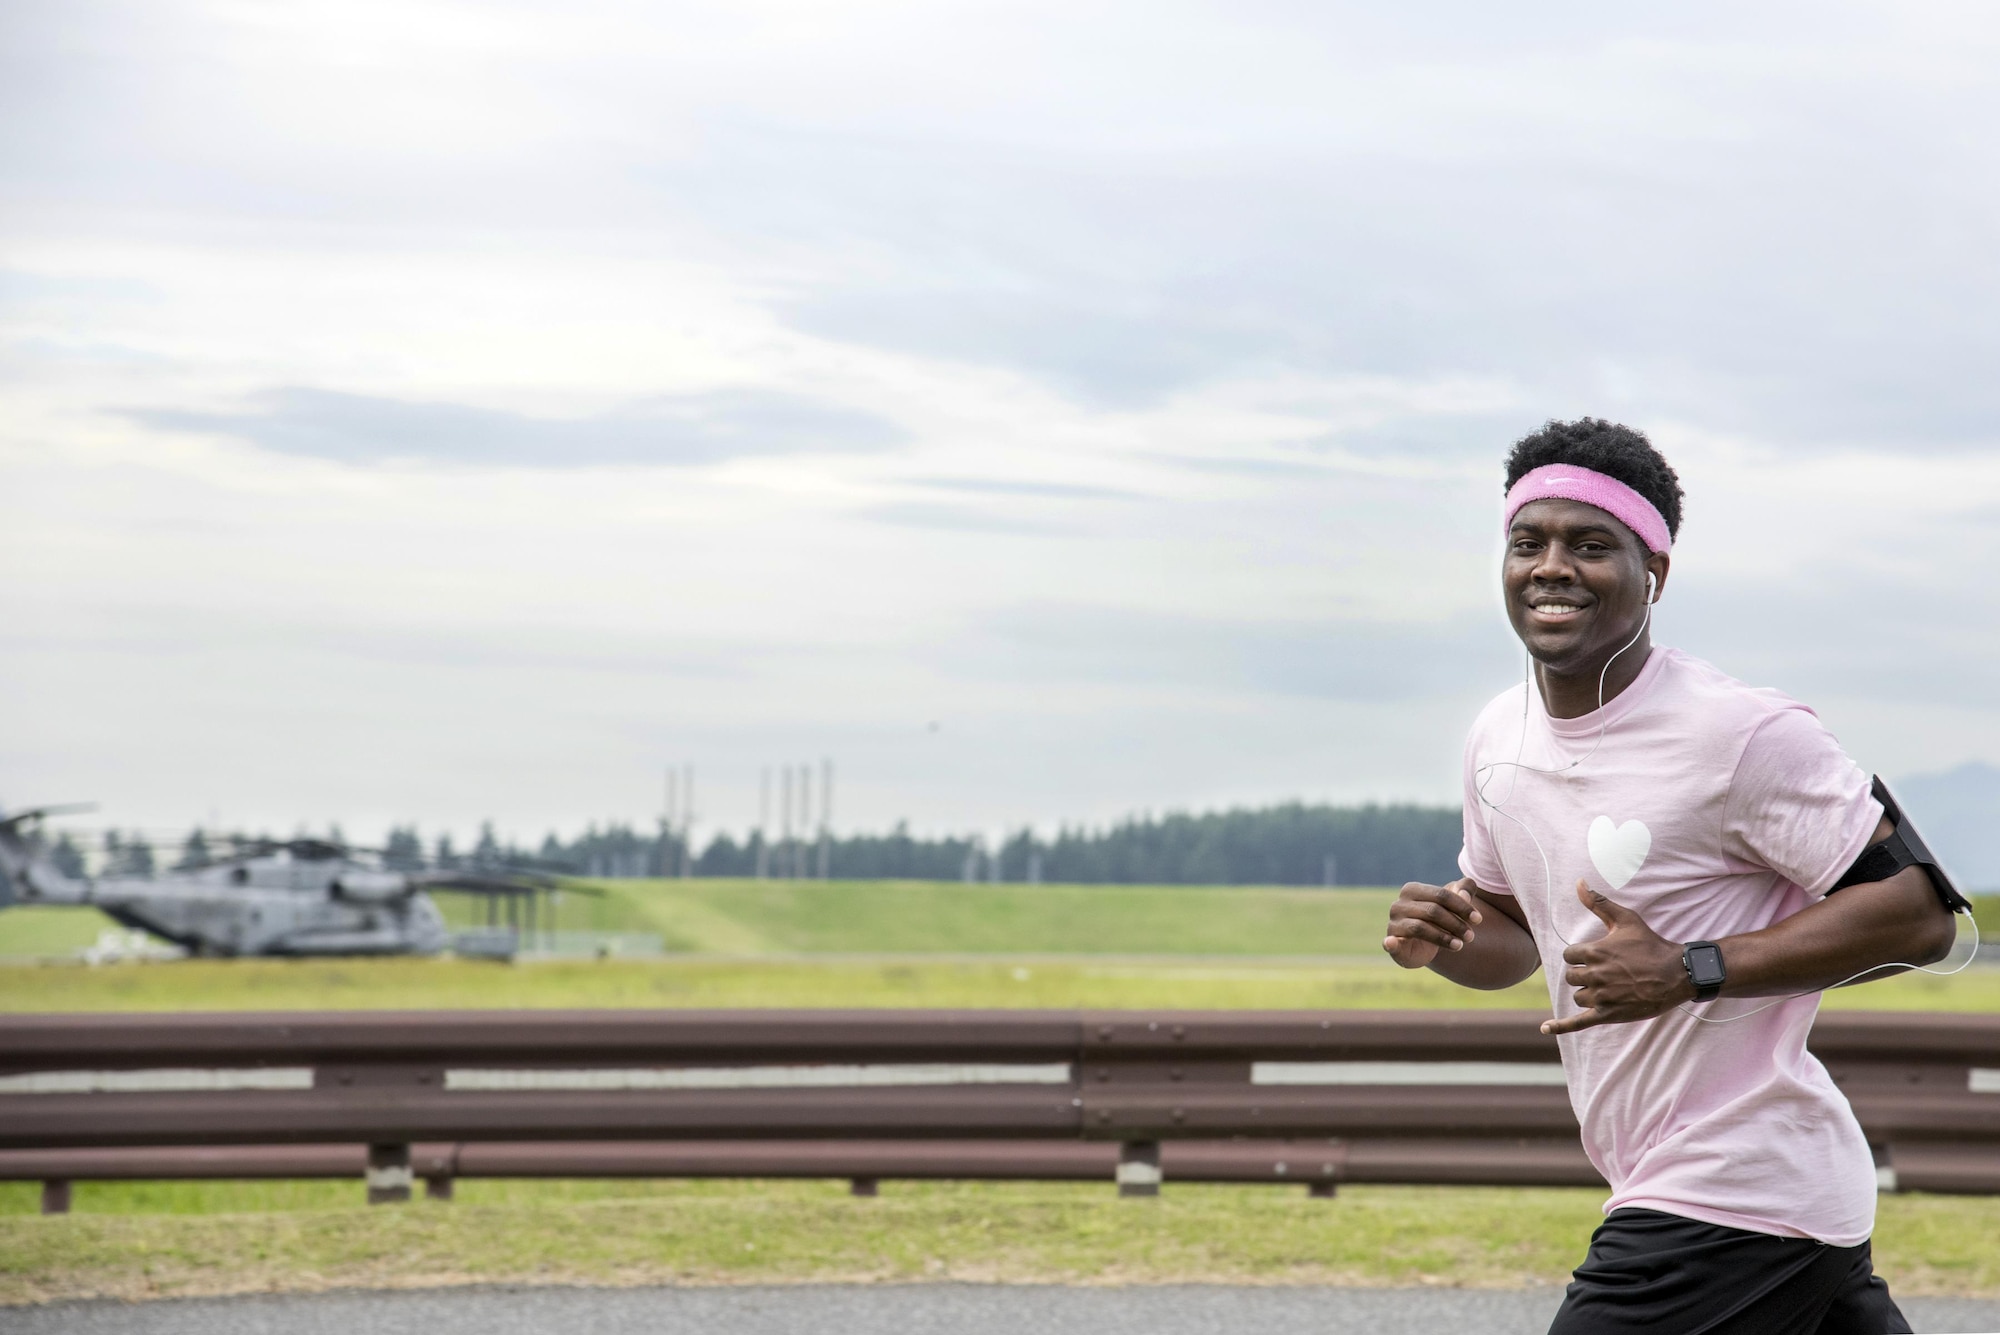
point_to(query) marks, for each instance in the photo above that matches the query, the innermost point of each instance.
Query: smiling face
(1575, 580)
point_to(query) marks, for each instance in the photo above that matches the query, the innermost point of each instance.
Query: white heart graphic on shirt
(1618, 851)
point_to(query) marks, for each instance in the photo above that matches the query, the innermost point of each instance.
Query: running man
(1660, 840)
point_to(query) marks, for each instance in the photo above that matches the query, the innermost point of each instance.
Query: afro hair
(1603, 447)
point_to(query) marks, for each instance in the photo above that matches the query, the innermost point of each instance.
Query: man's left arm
(1899, 922)
(1633, 973)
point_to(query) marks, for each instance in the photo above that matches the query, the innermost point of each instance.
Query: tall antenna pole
(785, 826)
(764, 825)
(800, 868)
(825, 816)
(667, 822)
(687, 822)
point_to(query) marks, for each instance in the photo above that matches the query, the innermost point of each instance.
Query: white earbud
(1649, 586)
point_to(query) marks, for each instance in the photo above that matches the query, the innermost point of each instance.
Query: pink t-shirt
(1710, 808)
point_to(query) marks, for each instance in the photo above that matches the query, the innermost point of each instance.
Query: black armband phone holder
(1903, 848)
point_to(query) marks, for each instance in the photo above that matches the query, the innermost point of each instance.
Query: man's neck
(1574, 694)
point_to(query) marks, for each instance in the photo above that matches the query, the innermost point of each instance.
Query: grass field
(1158, 982)
(148, 1241)
(400, 983)
(752, 917)
(747, 917)
(36, 932)
(741, 918)
(746, 943)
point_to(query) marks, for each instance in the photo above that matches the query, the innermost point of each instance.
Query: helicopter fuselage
(279, 903)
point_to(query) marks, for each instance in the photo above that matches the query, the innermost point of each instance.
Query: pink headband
(1569, 483)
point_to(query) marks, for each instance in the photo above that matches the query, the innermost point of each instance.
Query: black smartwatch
(1703, 961)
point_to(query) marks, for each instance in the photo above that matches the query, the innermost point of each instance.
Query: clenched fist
(1428, 918)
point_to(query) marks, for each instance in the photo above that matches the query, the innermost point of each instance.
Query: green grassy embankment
(762, 918)
(747, 917)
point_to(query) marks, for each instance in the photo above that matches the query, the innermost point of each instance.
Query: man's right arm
(1474, 938)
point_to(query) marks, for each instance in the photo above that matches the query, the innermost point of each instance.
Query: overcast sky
(1047, 411)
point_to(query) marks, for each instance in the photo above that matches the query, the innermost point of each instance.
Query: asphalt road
(915, 1309)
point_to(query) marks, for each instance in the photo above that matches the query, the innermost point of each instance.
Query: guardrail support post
(55, 1195)
(437, 1165)
(864, 1186)
(1322, 1190)
(1139, 1168)
(389, 1177)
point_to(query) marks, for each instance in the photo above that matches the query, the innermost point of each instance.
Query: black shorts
(1666, 1275)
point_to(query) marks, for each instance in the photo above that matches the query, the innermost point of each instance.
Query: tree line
(1290, 844)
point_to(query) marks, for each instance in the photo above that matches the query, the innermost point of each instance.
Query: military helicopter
(272, 897)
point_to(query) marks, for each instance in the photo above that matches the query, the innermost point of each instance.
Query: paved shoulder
(817, 1309)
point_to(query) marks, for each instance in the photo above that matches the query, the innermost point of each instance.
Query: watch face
(1705, 963)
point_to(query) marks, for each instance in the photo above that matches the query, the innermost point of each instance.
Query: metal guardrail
(393, 1079)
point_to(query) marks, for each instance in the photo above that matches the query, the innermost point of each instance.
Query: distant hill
(1958, 812)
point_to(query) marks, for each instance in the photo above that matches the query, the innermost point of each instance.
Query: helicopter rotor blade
(37, 813)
